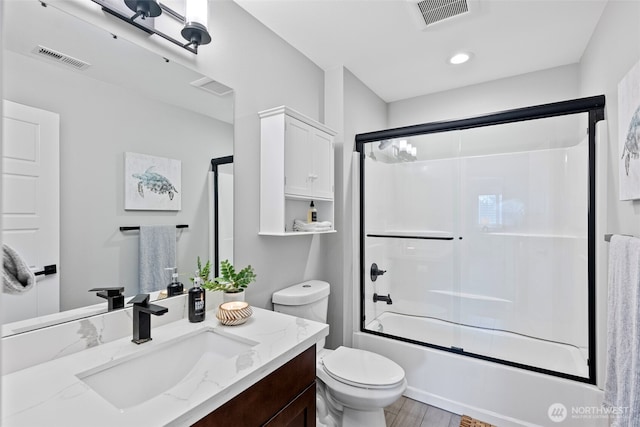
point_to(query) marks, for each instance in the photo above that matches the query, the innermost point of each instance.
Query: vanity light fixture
(400, 149)
(195, 27)
(144, 8)
(192, 27)
(460, 58)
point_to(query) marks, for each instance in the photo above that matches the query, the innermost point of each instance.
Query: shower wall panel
(517, 254)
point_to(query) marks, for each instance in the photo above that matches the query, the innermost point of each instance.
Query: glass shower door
(524, 217)
(476, 241)
(410, 230)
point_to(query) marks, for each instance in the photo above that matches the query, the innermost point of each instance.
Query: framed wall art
(629, 134)
(152, 183)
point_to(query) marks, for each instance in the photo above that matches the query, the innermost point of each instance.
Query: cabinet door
(322, 165)
(297, 166)
(300, 412)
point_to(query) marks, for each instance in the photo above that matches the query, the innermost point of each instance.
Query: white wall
(98, 123)
(613, 49)
(351, 108)
(556, 84)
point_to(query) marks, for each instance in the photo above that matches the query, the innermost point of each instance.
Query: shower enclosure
(477, 236)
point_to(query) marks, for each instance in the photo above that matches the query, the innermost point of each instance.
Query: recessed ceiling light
(459, 58)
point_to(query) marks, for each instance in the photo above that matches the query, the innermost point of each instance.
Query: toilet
(354, 386)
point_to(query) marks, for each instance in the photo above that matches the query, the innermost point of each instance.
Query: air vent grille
(67, 60)
(212, 86)
(438, 10)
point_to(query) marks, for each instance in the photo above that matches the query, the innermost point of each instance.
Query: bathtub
(492, 392)
(497, 344)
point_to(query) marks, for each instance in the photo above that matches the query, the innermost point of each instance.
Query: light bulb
(195, 28)
(196, 12)
(459, 58)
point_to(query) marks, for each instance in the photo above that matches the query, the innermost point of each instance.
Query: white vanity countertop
(51, 394)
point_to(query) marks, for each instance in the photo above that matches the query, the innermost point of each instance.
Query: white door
(322, 158)
(297, 160)
(31, 204)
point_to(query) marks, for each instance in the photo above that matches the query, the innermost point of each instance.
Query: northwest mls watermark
(557, 412)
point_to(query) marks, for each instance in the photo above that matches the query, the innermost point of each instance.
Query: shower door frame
(594, 106)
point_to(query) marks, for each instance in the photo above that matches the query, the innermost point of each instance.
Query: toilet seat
(361, 368)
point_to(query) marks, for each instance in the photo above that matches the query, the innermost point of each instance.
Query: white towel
(299, 225)
(622, 384)
(157, 252)
(17, 277)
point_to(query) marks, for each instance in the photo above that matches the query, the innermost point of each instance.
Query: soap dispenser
(174, 288)
(196, 300)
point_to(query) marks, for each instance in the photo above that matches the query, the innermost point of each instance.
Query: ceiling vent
(45, 52)
(430, 12)
(212, 86)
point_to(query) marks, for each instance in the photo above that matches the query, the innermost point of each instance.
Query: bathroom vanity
(285, 397)
(203, 374)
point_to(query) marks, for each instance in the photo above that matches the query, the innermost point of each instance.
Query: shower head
(384, 144)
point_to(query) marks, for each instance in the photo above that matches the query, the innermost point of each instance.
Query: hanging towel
(17, 277)
(157, 252)
(622, 383)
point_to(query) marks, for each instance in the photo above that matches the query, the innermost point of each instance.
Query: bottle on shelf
(312, 214)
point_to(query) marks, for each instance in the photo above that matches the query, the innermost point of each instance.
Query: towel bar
(607, 237)
(138, 227)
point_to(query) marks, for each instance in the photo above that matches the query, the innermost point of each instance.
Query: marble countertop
(51, 394)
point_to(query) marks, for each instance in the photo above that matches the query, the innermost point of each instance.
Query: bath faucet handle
(375, 272)
(140, 299)
(113, 295)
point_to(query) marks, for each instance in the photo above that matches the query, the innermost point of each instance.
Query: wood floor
(406, 412)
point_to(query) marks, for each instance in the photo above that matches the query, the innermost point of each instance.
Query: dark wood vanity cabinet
(285, 398)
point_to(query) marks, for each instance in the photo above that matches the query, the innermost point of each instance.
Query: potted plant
(231, 282)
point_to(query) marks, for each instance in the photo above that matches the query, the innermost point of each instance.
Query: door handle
(46, 270)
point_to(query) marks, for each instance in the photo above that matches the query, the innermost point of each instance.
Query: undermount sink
(134, 379)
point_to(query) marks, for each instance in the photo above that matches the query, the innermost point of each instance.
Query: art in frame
(629, 134)
(152, 183)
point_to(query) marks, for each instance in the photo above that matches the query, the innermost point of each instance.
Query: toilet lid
(362, 368)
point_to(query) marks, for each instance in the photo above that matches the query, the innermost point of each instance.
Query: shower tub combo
(477, 259)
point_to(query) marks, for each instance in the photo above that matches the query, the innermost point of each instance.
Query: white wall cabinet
(296, 167)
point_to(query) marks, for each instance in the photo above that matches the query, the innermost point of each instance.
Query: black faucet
(142, 311)
(114, 296)
(387, 299)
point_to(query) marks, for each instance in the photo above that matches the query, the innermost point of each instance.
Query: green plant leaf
(231, 281)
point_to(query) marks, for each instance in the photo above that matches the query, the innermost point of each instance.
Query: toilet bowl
(358, 385)
(353, 386)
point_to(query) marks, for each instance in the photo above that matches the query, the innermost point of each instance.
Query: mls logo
(557, 412)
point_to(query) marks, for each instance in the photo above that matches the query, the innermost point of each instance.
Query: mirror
(127, 100)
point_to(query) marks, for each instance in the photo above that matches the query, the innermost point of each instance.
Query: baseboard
(462, 409)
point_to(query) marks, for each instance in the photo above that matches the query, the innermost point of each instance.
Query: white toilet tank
(308, 300)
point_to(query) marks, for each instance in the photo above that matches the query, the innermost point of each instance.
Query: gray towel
(157, 252)
(17, 277)
(622, 384)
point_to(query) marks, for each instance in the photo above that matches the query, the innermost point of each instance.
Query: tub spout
(387, 298)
